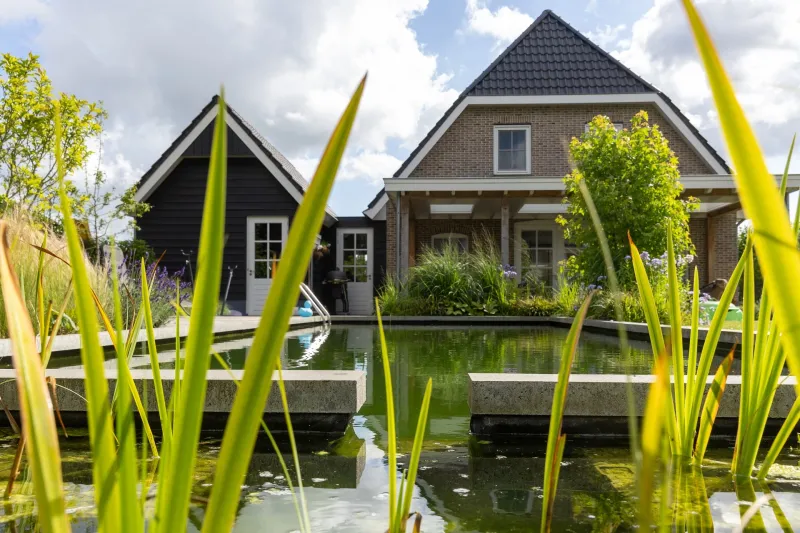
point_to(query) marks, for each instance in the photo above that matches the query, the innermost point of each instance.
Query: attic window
(617, 126)
(512, 149)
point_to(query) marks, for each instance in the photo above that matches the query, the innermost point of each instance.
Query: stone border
(319, 399)
(510, 403)
(223, 327)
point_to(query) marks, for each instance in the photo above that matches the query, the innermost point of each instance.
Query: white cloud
(374, 166)
(606, 35)
(20, 10)
(288, 67)
(503, 24)
(758, 42)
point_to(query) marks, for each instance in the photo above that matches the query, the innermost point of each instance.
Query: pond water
(464, 484)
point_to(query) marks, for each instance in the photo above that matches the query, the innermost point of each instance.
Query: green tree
(633, 178)
(28, 174)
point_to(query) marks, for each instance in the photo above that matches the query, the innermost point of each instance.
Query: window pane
(519, 139)
(504, 139)
(529, 237)
(545, 257)
(349, 240)
(361, 274)
(262, 270)
(519, 160)
(361, 241)
(545, 238)
(462, 244)
(276, 231)
(275, 249)
(262, 250)
(350, 272)
(261, 231)
(361, 259)
(347, 258)
(505, 161)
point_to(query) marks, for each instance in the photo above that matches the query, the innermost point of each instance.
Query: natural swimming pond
(464, 484)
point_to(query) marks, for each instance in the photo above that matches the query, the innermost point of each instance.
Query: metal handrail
(315, 303)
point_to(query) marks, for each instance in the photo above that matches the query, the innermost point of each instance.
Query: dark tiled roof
(268, 148)
(552, 58)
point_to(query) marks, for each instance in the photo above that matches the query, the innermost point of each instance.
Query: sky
(290, 67)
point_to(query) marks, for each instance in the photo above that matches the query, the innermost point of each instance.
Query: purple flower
(645, 256)
(627, 258)
(592, 287)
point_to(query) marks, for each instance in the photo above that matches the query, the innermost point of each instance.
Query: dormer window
(512, 149)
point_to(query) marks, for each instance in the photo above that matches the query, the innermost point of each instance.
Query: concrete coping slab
(311, 392)
(590, 395)
(223, 325)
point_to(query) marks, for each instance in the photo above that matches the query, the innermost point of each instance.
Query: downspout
(397, 235)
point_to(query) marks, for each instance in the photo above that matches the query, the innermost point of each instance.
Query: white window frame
(558, 243)
(495, 152)
(450, 237)
(619, 126)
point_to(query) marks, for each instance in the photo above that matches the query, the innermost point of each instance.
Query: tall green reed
(688, 431)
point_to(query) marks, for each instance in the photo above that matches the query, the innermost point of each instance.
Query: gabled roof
(551, 58)
(288, 173)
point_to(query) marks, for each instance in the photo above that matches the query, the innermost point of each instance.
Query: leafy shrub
(538, 306)
(631, 167)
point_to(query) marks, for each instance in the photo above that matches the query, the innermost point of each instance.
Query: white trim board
(169, 164)
(374, 212)
(532, 183)
(650, 98)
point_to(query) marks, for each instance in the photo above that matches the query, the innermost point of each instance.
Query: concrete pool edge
(224, 327)
(320, 401)
(596, 403)
(635, 330)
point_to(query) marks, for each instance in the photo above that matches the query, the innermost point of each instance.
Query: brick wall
(725, 246)
(427, 228)
(698, 233)
(466, 148)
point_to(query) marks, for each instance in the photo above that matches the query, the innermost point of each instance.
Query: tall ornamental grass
(24, 236)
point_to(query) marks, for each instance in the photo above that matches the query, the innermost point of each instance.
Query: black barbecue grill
(338, 281)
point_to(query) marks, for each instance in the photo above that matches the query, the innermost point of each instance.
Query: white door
(354, 258)
(266, 237)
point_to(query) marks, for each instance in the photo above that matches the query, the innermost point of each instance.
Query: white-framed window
(617, 126)
(512, 149)
(441, 241)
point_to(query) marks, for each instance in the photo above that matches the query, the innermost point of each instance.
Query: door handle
(250, 272)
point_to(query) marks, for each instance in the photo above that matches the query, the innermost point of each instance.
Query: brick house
(494, 164)
(495, 161)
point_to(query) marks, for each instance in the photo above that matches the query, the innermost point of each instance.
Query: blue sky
(289, 67)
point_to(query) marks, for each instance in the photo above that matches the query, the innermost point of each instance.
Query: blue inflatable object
(307, 305)
(305, 311)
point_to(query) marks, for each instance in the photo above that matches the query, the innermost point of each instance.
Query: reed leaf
(555, 440)
(101, 428)
(243, 422)
(653, 424)
(131, 516)
(711, 407)
(762, 203)
(416, 451)
(166, 426)
(38, 424)
(177, 473)
(787, 430)
(391, 431)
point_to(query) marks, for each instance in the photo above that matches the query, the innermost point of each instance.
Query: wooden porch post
(404, 235)
(504, 216)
